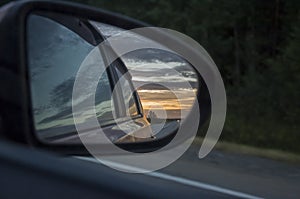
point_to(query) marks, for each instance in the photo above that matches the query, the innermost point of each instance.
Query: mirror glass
(141, 96)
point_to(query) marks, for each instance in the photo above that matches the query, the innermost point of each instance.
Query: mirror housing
(16, 115)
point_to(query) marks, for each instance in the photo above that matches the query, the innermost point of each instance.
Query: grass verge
(255, 151)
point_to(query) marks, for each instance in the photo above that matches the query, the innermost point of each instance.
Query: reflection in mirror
(160, 77)
(54, 57)
(158, 92)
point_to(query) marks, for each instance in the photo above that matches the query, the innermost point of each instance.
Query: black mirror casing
(16, 117)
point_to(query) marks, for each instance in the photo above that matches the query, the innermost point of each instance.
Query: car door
(57, 50)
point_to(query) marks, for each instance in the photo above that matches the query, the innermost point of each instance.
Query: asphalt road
(247, 174)
(227, 175)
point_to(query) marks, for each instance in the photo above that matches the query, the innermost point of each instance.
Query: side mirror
(66, 82)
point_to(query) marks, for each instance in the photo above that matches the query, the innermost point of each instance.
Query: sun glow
(170, 101)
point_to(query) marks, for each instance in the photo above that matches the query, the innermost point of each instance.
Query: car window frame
(118, 63)
(123, 69)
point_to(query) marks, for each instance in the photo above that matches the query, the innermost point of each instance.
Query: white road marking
(177, 179)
